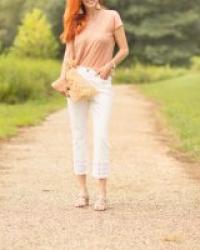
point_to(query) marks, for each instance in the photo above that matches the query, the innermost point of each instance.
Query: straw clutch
(77, 86)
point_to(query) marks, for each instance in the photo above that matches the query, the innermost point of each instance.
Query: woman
(94, 29)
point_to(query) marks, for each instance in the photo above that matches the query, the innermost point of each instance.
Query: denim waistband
(87, 69)
(93, 72)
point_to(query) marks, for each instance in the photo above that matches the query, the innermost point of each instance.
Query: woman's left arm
(120, 38)
(121, 41)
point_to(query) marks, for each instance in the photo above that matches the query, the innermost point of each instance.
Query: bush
(35, 38)
(195, 63)
(25, 79)
(139, 73)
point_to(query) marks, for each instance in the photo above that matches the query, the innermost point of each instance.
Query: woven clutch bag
(78, 87)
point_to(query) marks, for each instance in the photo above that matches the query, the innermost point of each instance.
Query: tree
(10, 16)
(161, 31)
(35, 38)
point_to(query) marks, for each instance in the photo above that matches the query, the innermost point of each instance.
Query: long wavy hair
(74, 21)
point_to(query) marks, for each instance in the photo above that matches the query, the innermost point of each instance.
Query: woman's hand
(66, 92)
(72, 63)
(105, 71)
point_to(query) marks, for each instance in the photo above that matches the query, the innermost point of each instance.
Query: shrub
(26, 79)
(139, 73)
(195, 63)
(35, 38)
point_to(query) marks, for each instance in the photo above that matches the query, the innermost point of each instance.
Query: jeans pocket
(104, 80)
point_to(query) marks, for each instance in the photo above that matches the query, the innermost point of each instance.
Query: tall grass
(139, 73)
(26, 95)
(195, 63)
(180, 102)
(30, 113)
(23, 79)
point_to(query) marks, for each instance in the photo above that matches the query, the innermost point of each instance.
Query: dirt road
(154, 202)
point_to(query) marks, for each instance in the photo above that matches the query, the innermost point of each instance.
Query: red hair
(73, 21)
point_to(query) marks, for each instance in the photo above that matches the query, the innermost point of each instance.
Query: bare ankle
(84, 191)
(101, 195)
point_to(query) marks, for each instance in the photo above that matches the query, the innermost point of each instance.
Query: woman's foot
(82, 200)
(100, 203)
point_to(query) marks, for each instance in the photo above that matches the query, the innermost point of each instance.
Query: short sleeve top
(94, 45)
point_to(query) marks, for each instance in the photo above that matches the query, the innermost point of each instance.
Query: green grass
(180, 102)
(140, 73)
(22, 79)
(31, 112)
(26, 95)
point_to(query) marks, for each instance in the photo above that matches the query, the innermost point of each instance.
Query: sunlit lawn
(180, 102)
(29, 113)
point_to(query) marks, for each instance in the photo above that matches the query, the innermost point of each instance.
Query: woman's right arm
(65, 58)
(69, 57)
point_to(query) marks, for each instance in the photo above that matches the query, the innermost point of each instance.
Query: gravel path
(154, 200)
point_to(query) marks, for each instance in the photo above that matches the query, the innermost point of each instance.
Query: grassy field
(180, 102)
(31, 112)
(24, 79)
(26, 96)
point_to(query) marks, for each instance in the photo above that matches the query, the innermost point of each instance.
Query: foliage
(13, 12)
(25, 79)
(35, 38)
(161, 32)
(10, 16)
(25, 114)
(139, 73)
(180, 102)
(195, 63)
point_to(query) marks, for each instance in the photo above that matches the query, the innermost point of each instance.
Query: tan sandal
(100, 204)
(82, 200)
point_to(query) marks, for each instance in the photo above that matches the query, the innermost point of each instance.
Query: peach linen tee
(94, 45)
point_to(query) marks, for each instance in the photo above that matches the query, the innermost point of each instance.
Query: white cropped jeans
(100, 106)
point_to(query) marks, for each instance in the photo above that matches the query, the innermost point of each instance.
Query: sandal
(100, 203)
(82, 200)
